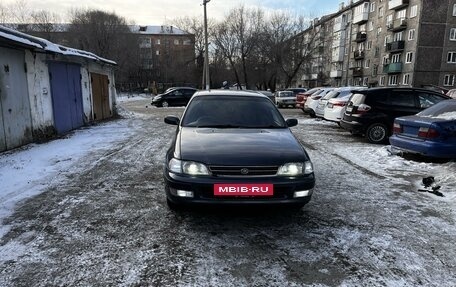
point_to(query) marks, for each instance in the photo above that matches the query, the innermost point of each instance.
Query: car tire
(377, 133)
(165, 104)
(312, 114)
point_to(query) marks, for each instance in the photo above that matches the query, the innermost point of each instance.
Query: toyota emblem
(245, 171)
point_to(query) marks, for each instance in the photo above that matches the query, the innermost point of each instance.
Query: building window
(453, 34)
(449, 80)
(406, 79)
(392, 80)
(176, 42)
(409, 57)
(411, 35)
(377, 51)
(389, 20)
(187, 42)
(396, 58)
(370, 26)
(382, 81)
(414, 11)
(398, 36)
(387, 40)
(369, 45)
(401, 14)
(365, 81)
(380, 12)
(375, 71)
(372, 8)
(451, 57)
(157, 53)
(367, 63)
(454, 9)
(158, 42)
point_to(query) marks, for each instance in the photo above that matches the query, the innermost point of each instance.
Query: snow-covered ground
(89, 209)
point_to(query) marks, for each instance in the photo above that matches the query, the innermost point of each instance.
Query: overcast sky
(157, 12)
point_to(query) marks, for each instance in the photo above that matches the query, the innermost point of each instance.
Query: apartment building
(385, 43)
(166, 53)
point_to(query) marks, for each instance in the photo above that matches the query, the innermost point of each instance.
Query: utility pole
(206, 53)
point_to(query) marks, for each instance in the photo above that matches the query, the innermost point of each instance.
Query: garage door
(100, 94)
(66, 96)
(15, 117)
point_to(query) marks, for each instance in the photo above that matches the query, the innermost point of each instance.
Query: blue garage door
(66, 96)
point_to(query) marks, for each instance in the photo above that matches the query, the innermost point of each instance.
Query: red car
(301, 98)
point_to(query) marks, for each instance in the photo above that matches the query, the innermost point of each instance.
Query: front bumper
(203, 190)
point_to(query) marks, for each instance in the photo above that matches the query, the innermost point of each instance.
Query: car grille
(243, 170)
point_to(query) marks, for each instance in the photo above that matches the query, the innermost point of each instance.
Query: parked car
(285, 98)
(312, 101)
(372, 112)
(334, 109)
(296, 90)
(225, 153)
(174, 97)
(431, 132)
(301, 97)
(268, 94)
(451, 93)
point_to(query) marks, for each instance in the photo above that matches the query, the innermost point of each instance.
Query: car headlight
(187, 167)
(295, 168)
(157, 98)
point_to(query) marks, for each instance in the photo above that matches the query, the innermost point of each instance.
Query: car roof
(237, 93)
(380, 89)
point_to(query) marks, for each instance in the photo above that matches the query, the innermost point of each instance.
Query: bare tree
(107, 35)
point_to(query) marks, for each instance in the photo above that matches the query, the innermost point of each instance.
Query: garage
(100, 94)
(66, 92)
(15, 117)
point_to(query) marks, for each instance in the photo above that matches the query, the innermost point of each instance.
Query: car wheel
(312, 114)
(377, 133)
(165, 104)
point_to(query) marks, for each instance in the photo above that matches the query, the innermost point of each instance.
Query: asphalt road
(109, 225)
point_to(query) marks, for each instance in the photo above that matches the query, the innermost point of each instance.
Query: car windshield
(285, 94)
(438, 109)
(232, 112)
(330, 95)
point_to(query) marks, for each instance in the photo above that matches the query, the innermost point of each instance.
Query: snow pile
(28, 171)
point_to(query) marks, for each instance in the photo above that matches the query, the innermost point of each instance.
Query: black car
(174, 97)
(372, 112)
(235, 148)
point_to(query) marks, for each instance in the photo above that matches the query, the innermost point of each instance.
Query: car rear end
(335, 108)
(312, 102)
(301, 98)
(425, 136)
(356, 116)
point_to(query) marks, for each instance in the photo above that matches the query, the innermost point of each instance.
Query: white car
(311, 103)
(335, 106)
(285, 98)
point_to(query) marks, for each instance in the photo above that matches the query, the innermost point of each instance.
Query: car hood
(238, 146)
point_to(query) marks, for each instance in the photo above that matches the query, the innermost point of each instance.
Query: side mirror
(172, 120)
(291, 122)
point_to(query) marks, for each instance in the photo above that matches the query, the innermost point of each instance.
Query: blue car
(431, 132)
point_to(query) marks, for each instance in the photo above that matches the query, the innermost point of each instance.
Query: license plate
(244, 189)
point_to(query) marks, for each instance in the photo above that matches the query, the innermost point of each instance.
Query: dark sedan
(174, 97)
(235, 148)
(431, 132)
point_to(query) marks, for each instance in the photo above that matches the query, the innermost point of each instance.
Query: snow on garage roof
(47, 46)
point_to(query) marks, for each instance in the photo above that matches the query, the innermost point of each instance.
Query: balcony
(361, 17)
(397, 25)
(358, 55)
(397, 4)
(360, 37)
(396, 46)
(338, 55)
(357, 72)
(336, 74)
(393, 68)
